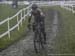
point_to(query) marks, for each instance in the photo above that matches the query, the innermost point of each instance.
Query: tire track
(54, 30)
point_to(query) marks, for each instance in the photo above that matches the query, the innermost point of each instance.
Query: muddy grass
(66, 38)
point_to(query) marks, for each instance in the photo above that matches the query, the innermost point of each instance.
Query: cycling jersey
(38, 16)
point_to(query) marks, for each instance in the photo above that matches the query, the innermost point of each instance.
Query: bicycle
(38, 39)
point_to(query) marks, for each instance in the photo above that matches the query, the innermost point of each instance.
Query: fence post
(8, 28)
(18, 22)
(21, 18)
(28, 10)
(72, 9)
(24, 14)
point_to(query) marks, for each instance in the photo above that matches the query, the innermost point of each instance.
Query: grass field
(5, 12)
(65, 42)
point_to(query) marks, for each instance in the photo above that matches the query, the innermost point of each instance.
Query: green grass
(65, 42)
(5, 12)
(15, 35)
(8, 11)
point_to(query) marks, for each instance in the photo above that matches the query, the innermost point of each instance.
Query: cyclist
(38, 19)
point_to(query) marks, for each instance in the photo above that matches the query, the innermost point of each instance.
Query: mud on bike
(39, 42)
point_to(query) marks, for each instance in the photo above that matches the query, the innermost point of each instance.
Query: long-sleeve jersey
(38, 16)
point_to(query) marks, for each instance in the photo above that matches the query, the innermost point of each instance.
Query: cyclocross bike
(38, 39)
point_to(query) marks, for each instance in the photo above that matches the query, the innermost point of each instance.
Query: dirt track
(25, 46)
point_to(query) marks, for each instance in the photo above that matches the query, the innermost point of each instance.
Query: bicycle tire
(37, 44)
(38, 39)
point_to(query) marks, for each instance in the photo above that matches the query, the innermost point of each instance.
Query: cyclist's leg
(44, 33)
(43, 27)
(35, 42)
(34, 26)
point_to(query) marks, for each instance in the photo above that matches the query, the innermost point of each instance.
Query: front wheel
(37, 44)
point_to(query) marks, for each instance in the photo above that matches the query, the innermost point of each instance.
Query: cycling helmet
(34, 7)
